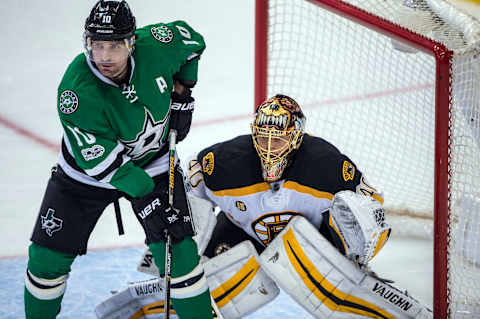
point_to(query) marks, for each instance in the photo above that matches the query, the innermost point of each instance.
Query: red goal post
(430, 51)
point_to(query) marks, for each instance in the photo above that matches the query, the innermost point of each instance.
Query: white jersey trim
(159, 166)
(78, 176)
(105, 164)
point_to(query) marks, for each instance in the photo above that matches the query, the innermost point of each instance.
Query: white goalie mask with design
(277, 131)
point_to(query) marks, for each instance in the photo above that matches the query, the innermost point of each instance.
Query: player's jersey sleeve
(177, 43)
(90, 144)
(195, 179)
(193, 46)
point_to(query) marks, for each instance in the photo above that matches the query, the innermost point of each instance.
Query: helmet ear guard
(277, 131)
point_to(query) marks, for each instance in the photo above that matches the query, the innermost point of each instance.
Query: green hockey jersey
(115, 136)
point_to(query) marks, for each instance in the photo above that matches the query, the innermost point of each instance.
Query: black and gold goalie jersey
(232, 179)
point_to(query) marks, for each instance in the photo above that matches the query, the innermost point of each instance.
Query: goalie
(295, 212)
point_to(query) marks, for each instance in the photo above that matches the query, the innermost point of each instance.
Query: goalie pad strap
(45, 289)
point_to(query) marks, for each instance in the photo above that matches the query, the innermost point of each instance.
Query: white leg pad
(143, 299)
(328, 285)
(147, 264)
(204, 219)
(45, 289)
(237, 283)
(146, 298)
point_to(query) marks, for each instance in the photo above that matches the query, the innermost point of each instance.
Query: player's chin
(108, 71)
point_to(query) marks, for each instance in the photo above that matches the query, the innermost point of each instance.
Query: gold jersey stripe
(307, 190)
(232, 287)
(243, 191)
(330, 296)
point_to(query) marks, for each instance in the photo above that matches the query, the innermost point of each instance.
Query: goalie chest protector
(233, 180)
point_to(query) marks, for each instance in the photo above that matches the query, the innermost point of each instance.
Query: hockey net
(395, 85)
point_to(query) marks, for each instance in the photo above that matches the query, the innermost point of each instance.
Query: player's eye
(117, 45)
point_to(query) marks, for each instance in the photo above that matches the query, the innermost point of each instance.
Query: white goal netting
(375, 99)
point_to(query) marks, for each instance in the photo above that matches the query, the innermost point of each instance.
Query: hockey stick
(172, 139)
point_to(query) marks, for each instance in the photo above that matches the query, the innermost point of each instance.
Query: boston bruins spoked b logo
(68, 102)
(268, 226)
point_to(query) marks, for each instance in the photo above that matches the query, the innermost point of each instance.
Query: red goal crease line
(55, 147)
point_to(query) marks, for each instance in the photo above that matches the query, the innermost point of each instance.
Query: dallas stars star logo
(51, 223)
(148, 139)
(68, 102)
(162, 34)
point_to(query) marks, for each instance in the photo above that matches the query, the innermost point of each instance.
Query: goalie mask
(277, 131)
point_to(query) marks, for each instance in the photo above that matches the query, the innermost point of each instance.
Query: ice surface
(39, 39)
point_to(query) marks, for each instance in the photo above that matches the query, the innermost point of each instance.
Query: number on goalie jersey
(116, 104)
(261, 196)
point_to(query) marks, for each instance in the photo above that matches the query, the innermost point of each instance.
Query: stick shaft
(172, 139)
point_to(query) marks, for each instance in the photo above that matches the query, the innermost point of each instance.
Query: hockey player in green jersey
(117, 103)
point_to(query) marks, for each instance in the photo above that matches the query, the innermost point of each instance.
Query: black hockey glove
(181, 113)
(157, 215)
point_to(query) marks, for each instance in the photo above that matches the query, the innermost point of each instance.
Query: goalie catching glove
(357, 225)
